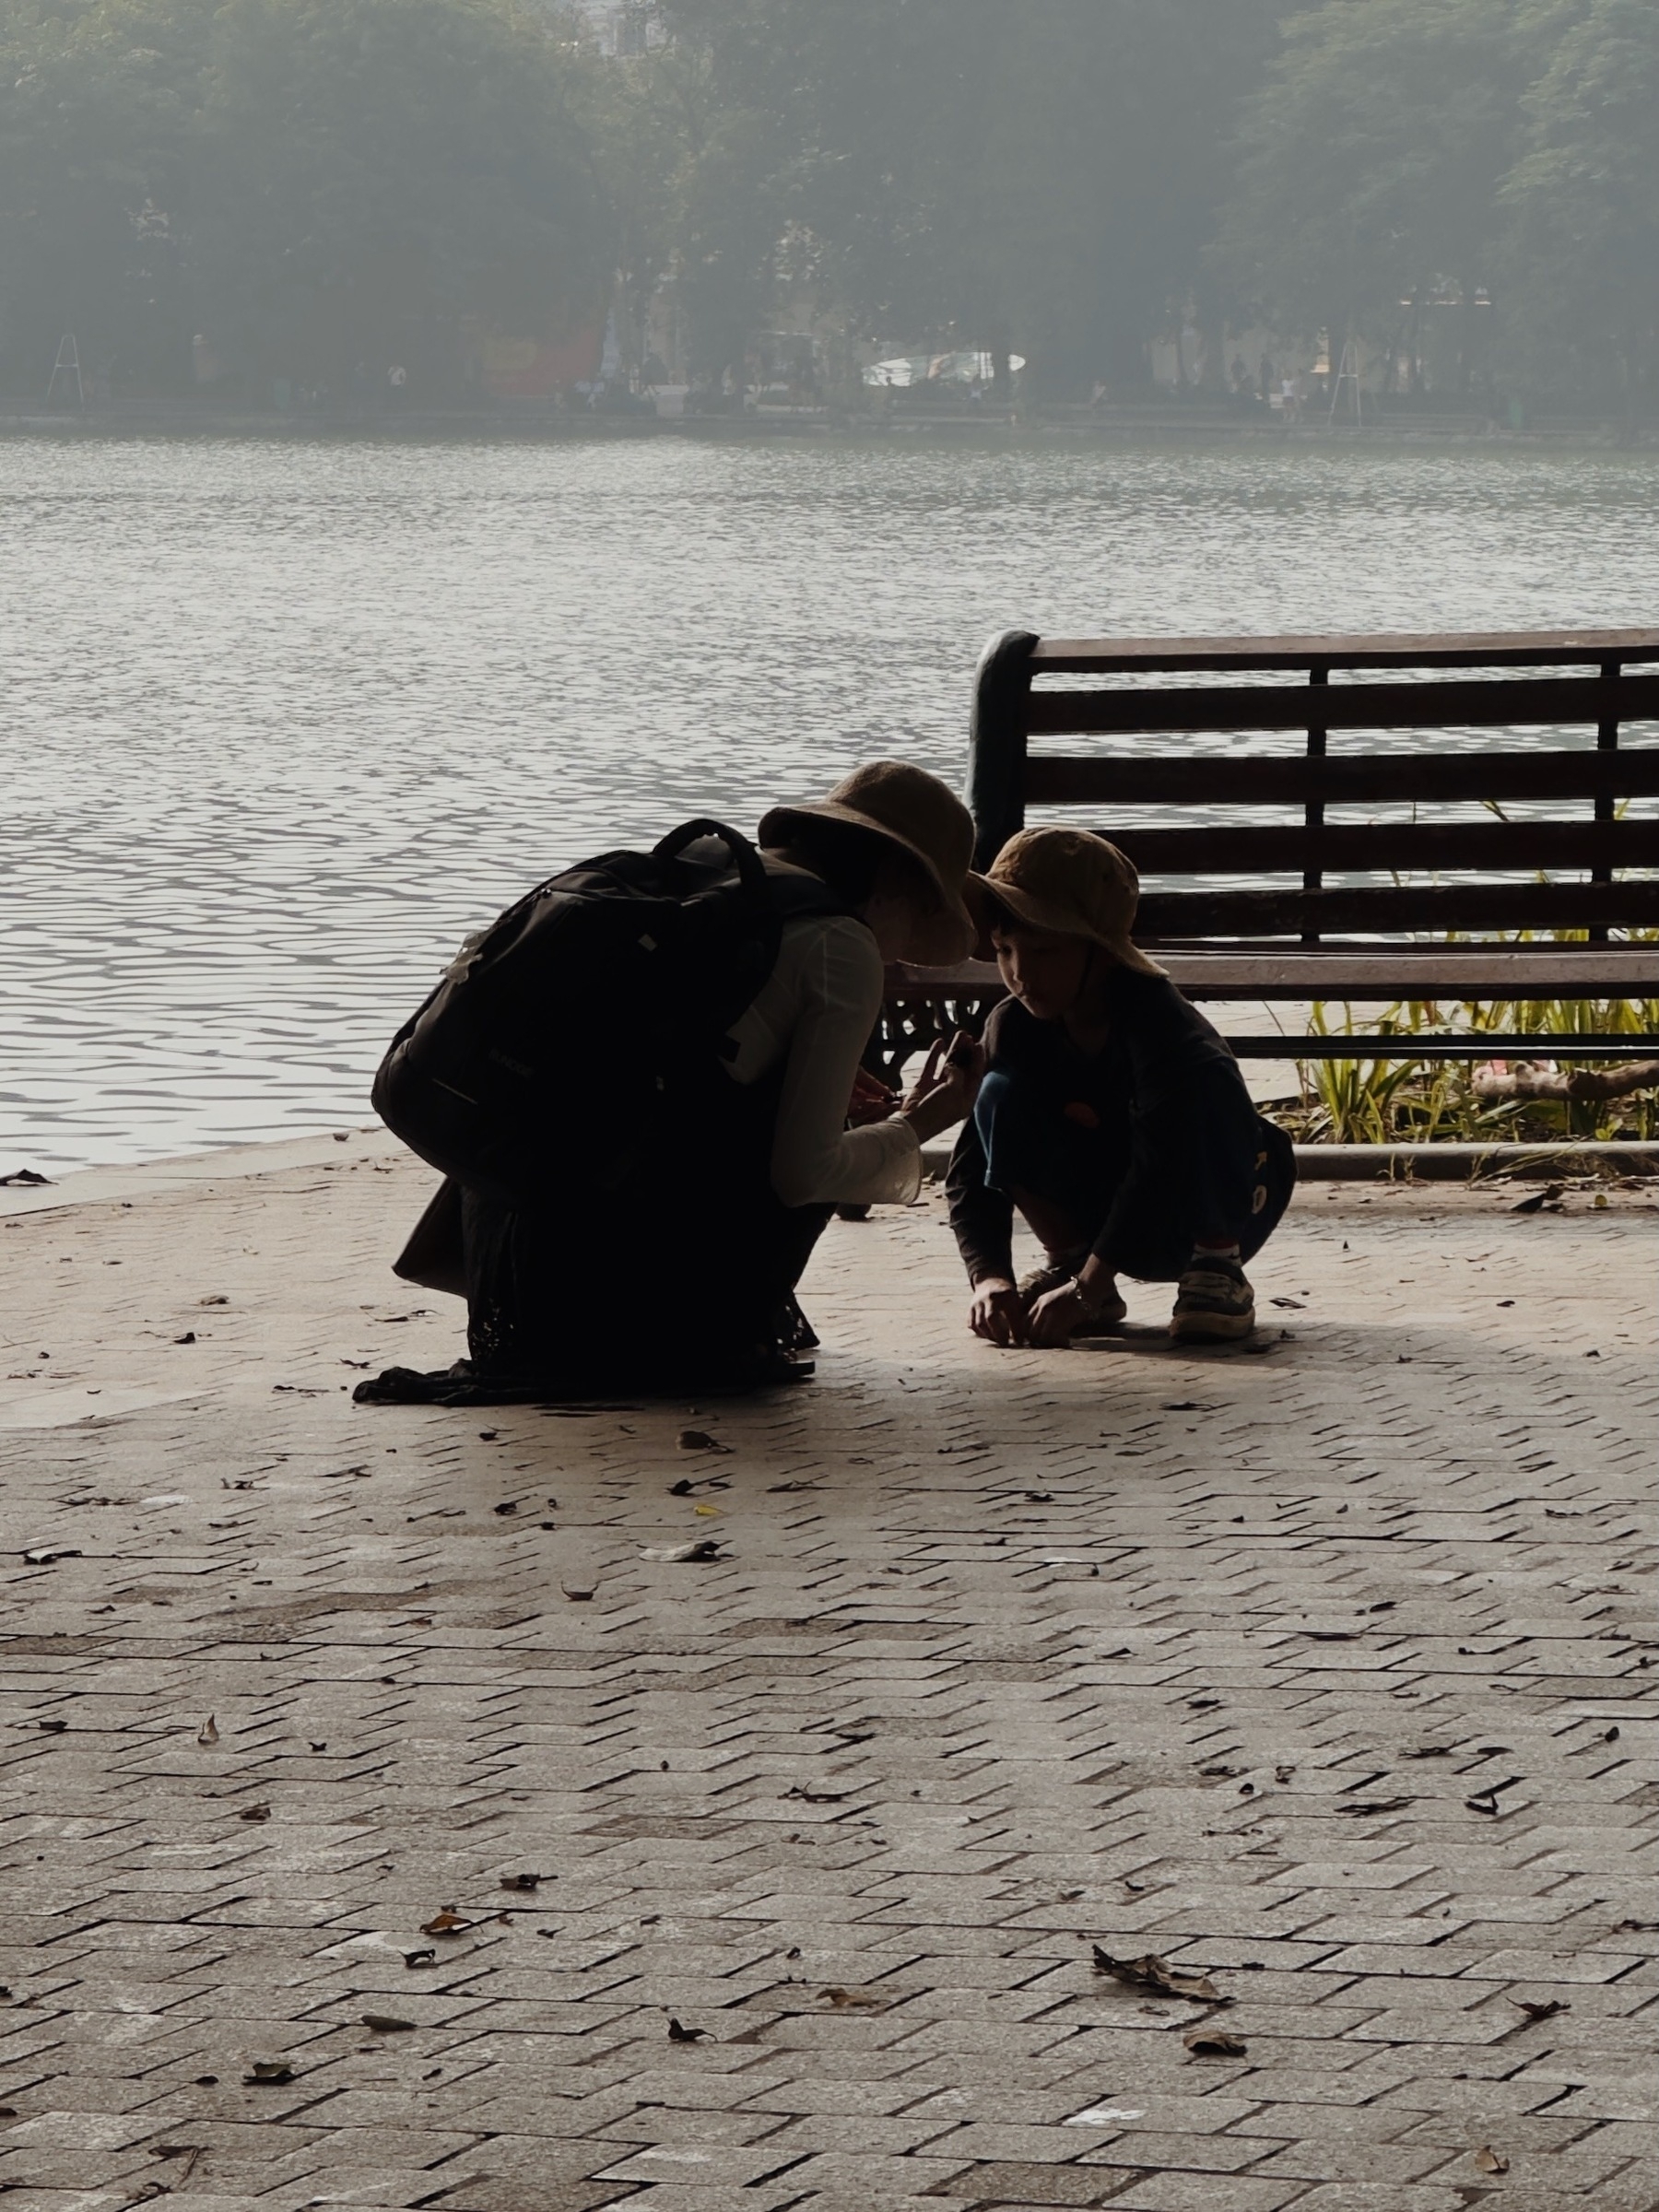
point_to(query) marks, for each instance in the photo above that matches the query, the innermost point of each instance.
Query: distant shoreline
(1114, 427)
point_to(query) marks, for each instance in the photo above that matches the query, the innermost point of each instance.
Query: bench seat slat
(1259, 780)
(1545, 700)
(1374, 975)
(1404, 847)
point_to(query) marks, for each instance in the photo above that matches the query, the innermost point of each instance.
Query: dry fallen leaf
(677, 2034)
(702, 1550)
(699, 1440)
(577, 1597)
(1213, 2042)
(1546, 2011)
(386, 2023)
(522, 1881)
(208, 1731)
(266, 2071)
(816, 1796)
(48, 1555)
(447, 1922)
(843, 1997)
(254, 1812)
(1374, 1805)
(1491, 2161)
(1156, 1974)
(423, 1958)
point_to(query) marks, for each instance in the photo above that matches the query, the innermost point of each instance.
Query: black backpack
(572, 1040)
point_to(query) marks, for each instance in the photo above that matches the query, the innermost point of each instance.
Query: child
(1111, 1115)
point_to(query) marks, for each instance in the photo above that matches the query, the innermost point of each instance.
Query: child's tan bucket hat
(1065, 880)
(926, 820)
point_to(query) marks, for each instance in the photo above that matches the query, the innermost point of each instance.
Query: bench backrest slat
(1363, 912)
(1504, 702)
(1261, 780)
(1405, 847)
(1457, 649)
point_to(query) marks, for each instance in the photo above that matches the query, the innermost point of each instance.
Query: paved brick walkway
(1314, 1670)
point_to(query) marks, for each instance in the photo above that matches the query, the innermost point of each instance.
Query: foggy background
(284, 204)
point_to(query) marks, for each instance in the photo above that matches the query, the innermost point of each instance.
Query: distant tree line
(304, 186)
(1502, 152)
(313, 188)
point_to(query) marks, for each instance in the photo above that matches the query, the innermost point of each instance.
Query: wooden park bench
(1339, 818)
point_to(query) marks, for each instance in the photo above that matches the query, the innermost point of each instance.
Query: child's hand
(1055, 1316)
(997, 1312)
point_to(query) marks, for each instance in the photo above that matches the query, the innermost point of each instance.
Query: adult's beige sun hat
(1067, 880)
(926, 820)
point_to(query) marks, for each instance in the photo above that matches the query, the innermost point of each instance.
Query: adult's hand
(997, 1312)
(944, 1093)
(966, 1060)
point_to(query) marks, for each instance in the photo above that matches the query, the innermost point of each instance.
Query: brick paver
(1318, 1668)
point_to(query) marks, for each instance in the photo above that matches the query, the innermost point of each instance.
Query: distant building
(624, 28)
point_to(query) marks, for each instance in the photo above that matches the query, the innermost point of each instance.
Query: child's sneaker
(1214, 1304)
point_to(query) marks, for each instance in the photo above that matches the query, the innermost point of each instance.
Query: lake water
(284, 720)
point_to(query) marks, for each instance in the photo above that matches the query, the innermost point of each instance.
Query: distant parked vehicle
(956, 375)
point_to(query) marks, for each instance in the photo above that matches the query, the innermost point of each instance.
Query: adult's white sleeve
(817, 1159)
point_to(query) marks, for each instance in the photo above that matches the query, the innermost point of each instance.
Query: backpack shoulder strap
(745, 859)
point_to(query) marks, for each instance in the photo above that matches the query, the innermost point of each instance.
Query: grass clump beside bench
(1381, 1099)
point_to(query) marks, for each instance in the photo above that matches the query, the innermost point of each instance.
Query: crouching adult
(1111, 1115)
(681, 1274)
